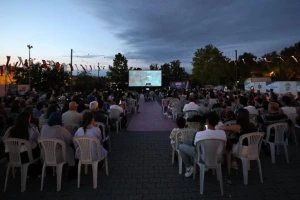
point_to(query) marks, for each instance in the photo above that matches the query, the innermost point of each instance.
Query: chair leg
(106, 166)
(78, 174)
(286, 153)
(24, 170)
(173, 155)
(180, 163)
(259, 169)
(59, 169)
(43, 176)
(95, 174)
(219, 172)
(202, 174)
(228, 156)
(272, 149)
(245, 170)
(6, 178)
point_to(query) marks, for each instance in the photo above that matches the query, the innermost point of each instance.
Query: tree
(208, 65)
(166, 74)
(118, 73)
(135, 68)
(177, 72)
(154, 67)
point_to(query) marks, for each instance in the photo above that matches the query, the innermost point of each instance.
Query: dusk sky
(155, 31)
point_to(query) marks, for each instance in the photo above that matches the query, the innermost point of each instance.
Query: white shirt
(94, 132)
(252, 110)
(289, 110)
(190, 106)
(117, 107)
(219, 125)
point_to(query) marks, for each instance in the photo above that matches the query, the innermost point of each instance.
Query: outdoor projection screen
(139, 78)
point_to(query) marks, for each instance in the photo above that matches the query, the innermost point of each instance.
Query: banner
(274, 86)
(261, 86)
(179, 85)
(287, 87)
(248, 86)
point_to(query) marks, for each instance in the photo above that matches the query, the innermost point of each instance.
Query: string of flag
(265, 59)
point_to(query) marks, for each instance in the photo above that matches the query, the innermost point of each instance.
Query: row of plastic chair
(51, 147)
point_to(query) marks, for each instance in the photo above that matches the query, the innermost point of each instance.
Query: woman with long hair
(243, 126)
(90, 130)
(22, 129)
(44, 117)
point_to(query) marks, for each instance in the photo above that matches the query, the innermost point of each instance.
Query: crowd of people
(62, 116)
(248, 111)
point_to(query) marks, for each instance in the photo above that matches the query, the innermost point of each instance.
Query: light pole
(29, 47)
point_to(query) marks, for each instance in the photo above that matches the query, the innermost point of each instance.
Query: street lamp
(29, 47)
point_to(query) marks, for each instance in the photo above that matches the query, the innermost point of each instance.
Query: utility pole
(236, 71)
(29, 47)
(71, 71)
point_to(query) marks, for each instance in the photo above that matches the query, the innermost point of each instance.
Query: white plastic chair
(107, 122)
(176, 110)
(293, 117)
(231, 122)
(115, 114)
(14, 145)
(248, 153)
(187, 135)
(279, 133)
(50, 147)
(85, 146)
(105, 137)
(211, 150)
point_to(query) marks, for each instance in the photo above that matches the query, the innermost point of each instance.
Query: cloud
(160, 31)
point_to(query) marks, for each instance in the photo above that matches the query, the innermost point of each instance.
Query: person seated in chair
(188, 150)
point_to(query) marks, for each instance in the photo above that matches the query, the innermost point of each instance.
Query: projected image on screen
(144, 78)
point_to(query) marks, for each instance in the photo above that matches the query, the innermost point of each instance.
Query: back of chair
(254, 144)
(190, 113)
(49, 146)
(85, 145)
(164, 102)
(13, 146)
(187, 135)
(102, 128)
(114, 114)
(211, 151)
(279, 132)
(107, 118)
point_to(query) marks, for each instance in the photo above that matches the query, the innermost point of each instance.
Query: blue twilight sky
(146, 32)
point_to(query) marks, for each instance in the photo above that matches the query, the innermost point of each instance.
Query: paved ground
(140, 168)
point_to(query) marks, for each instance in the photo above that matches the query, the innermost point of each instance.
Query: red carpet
(150, 118)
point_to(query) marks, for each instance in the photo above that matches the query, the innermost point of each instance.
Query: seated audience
(88, 129)
(72, 117)
(286, 106)
(39, 109)
(251, 108)
(180, 122)
(188, 150)
(192, 106)
(44, 117)
(54, 129)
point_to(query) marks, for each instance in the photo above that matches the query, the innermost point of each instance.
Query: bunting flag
(26, 63)
(83, 68)
(76, 67)
(7, 62)
(57, 65)
(44, 64)
(21, 61)
(279, 57)
(91, 67)
(294, 58)
(71, 66)
(1, 69)
(98, 67)
(243, 60)
(16, 65)
(64, 65)
(265, 59)
(254, 59)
